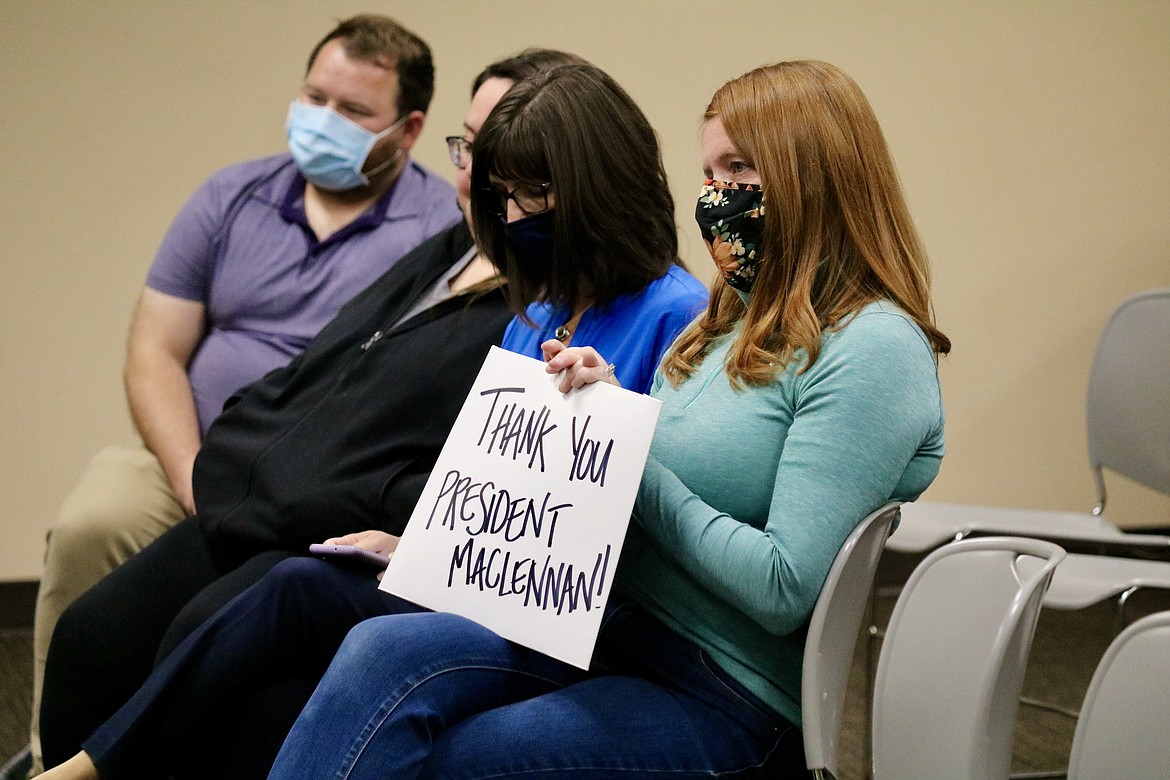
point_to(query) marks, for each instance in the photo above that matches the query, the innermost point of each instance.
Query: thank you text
(521, 523)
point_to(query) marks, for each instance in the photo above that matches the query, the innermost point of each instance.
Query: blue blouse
(633, 332)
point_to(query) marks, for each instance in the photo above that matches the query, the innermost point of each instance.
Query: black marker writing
(484, 508)
(585, 450)
(517, 428)
(543, 585)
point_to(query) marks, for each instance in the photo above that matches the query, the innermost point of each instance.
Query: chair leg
(1122, 600)
(871, 641)
(1049, 707)
(872, 638)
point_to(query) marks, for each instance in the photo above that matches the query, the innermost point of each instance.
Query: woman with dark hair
(806, 396)
(221, 701)
(571, 199)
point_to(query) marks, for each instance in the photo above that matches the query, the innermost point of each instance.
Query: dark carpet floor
(15, 689)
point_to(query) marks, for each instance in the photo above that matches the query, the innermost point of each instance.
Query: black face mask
(731, 216)
(531, 240)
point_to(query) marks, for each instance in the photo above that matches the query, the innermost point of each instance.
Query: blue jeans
(221, 703)
(434, 695)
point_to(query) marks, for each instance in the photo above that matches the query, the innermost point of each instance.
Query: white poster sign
(521, 523)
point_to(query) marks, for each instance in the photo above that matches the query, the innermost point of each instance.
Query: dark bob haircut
(614, 229)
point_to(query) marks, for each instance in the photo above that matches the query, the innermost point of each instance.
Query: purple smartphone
(347, 553)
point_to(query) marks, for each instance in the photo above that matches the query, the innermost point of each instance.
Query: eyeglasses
(529, 198)
(459, 149)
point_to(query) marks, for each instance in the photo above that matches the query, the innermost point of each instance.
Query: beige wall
(1033, 139)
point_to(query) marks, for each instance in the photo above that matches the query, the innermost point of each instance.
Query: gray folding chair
(1128, 425)
(832, 638)
(952, 666)
(1122, 729)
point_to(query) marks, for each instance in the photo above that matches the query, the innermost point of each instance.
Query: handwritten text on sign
(521, 523)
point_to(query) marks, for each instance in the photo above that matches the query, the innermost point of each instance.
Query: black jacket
(344, 437)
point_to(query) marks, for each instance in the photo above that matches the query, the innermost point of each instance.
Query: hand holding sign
(579, 365)
(521, 523)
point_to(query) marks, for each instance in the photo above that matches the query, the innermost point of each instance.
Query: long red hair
(837, 233)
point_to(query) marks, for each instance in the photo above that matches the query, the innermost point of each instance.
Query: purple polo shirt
(242, 246)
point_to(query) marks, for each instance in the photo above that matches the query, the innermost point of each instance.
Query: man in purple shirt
(258, 260)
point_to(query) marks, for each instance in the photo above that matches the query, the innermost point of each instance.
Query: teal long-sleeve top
(749, 493)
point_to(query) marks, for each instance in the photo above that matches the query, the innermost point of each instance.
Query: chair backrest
(1128, 409)
(952, 665)
(1122, 729)
(832, 637)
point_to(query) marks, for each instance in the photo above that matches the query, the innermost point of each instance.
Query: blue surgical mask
(329, 149)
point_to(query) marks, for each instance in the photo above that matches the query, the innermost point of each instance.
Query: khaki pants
(122, 503)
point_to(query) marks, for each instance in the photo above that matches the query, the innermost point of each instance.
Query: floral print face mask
(731, 216)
